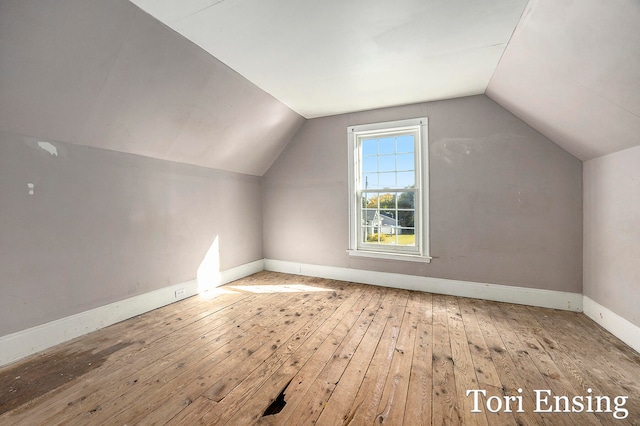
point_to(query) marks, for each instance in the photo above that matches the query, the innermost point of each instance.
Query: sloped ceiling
(572, 71)
(334, 56)
(105, 74)
(569, 68)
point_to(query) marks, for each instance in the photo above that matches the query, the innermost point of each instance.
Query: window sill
(390, 256)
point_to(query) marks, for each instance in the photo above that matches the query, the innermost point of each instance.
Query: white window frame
(421, 199)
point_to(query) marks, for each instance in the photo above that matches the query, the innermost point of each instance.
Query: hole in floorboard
(278, 404)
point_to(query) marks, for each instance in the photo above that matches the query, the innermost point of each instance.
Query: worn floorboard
(277, 349)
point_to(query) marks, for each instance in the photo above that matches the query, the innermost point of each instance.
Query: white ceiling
(569, 68)
(335, 56)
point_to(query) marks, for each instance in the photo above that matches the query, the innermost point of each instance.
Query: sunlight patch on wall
(208, 275)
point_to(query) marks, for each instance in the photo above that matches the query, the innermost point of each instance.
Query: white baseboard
(500, 293)
(242, 271)
(27, 342)
(624, 330)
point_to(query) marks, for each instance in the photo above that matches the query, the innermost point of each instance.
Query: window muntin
(387, 167)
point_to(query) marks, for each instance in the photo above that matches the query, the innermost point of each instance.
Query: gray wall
(103, 226)
(612, 232)
(105, 74)
(506, 203)
(92, 75)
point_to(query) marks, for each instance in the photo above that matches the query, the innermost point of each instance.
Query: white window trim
(422, 148)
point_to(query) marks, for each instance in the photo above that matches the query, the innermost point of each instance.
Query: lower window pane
(372, 235)
(406, 237)
(368, 217)
(406, 218)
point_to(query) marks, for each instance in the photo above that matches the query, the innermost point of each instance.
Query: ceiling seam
(198, 11)
(525, 12)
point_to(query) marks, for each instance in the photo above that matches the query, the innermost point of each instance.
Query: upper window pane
(370, 181)
(388, 162)
(405, 162)
(387, 180)
(370, 164)
(387, 146)
(405, 143)
(406, 179)
(370, 147)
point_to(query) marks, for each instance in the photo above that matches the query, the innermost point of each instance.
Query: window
(388, 171)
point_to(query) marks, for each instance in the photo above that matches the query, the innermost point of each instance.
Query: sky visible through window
(388, 162)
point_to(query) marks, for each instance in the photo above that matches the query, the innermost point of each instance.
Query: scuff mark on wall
(49, 148)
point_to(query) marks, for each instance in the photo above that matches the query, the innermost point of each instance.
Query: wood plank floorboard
(506, 369)
(525, 362)
(485, 371)
(369, 394)
(418, 406)
(445, 403)
(278, 349)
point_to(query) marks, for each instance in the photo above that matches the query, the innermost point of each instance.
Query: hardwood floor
(280, 349)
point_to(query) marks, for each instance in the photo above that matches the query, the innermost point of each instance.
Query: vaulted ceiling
(225, 84)
(571, 69)
(334, 56)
